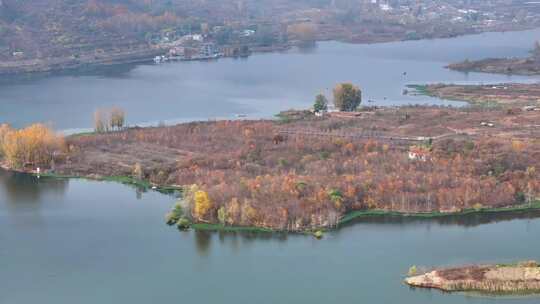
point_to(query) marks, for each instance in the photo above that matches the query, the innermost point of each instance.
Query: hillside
(43, 35)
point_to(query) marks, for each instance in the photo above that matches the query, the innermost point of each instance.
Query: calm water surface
(93, 242)
(259, 86)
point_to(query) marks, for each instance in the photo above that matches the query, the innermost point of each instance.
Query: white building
(385, 7)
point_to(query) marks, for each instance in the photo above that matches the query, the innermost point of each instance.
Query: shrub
(412, 271)
(173, 216)
(347, 97)
(335, 195)
(183, 223)
(222, 215)
(138, 172)
(321, 103)
(531, 263)
(324, 155)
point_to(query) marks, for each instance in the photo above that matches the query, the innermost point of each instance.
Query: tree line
(106, 120)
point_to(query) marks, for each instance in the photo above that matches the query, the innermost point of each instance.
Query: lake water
(76, 241)
(259, 86)
(83, 242)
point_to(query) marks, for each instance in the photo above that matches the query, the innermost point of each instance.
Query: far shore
(145, 54)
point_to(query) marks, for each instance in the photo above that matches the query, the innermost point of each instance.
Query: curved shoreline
(347, 219)
(48, 66)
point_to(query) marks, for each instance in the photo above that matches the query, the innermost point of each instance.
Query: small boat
(241, 115)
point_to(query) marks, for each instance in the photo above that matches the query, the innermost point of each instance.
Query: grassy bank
(424, 90)
(220, 227)
(348, 218)
(419, 89)
(482, 95)
(427, 215)
(126, 180)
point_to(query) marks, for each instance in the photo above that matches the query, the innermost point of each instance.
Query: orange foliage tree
(35, 145)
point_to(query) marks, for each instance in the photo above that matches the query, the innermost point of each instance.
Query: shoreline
(348, 218)
(199, 164)
(509, 94)
(124, 180)
(36, 67)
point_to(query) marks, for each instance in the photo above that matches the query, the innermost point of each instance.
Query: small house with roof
(419, 153)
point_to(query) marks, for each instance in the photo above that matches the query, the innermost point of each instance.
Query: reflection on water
(68, 238)
(468, 220)
(236, 240)
(307, 47)
(202, 241)
(20, 188)
(242, 239)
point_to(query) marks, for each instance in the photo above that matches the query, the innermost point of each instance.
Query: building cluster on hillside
(200, 47)
(478, 12)
(127, 27)
(355, 21)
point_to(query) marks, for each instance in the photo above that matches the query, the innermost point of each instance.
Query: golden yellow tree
(203, 204)
(117, 118)
(35, 145)
(100, 124)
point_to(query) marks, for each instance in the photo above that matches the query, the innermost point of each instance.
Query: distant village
(353, 21)
(199, 47)
(82, 33)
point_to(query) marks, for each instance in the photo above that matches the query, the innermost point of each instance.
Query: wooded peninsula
(307, 170)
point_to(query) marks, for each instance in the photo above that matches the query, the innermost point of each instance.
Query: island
(511, 95)
(520, 278)
(512, 66)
